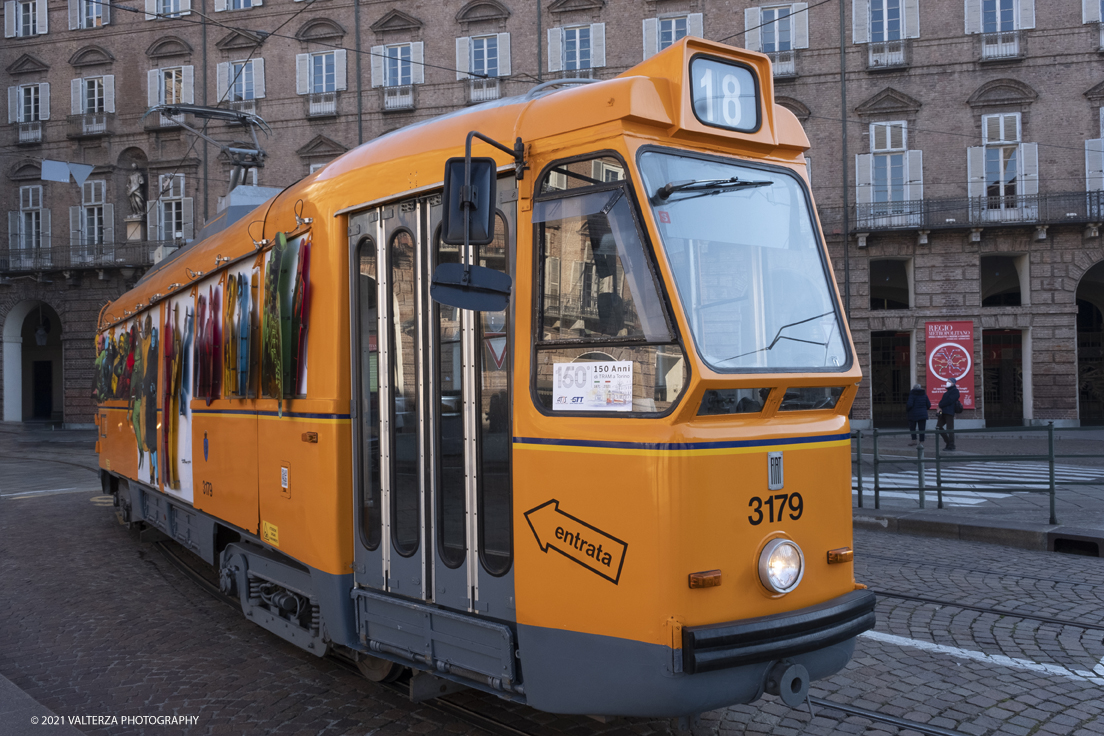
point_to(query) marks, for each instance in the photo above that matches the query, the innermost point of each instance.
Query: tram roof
(651, 94)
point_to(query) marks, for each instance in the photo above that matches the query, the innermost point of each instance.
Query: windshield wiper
(704, 187)
(779, 336)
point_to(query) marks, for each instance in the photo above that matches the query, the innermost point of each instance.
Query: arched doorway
(33, 379)
(1090, 346)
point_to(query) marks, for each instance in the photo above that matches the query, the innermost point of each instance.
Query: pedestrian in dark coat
(916, 410)
(947, 407)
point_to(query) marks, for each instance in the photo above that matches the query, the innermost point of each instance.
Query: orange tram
(593, 456)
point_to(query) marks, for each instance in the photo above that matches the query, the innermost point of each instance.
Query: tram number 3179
(780, 503)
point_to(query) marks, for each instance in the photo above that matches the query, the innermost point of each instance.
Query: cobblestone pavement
(94, 622)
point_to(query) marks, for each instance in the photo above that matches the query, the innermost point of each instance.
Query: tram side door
(432, 427)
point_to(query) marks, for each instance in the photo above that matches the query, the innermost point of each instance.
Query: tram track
(997, 573)
(989, 609)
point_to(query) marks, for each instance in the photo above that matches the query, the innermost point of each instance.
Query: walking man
(916, 410)
(948, 405)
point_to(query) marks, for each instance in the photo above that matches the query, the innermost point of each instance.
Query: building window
(240, 4)
(997, 15)
(775, 30)
(29, 103)
(885, 20)
(999, 22)
(888, 145)
(93, 13)
(397, 66)
(575, 50)
(172, 8)
(671, 30)
(30, 217)
(1002, 159)
(94, 98)
(1000, 280)
(27, 18)
(170, 217)
(172, 86)
(241, 86)
(168, 8)
(484, 57)
(92, 214)
(889, 284)
(323, 76)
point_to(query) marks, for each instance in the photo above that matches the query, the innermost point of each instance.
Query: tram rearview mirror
(479, 199)
(477, 288)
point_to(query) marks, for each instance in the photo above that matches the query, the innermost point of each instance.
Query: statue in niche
(134, 191)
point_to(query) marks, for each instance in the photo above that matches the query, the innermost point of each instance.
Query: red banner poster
(950, 350)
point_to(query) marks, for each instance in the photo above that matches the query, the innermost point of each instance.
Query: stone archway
(33, 373)
(1090, 346)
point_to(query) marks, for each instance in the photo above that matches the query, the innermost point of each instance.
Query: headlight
(781, 565)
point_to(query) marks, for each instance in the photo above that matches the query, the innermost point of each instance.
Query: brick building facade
(973, 158)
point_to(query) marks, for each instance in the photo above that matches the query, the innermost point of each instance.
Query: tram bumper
(721, 664)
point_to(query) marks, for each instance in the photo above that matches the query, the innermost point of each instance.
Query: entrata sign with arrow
(577, 541)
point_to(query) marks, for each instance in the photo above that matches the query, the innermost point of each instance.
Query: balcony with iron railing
(577, 74)
(322, 104)
(91, 124)
(247, 106)
(887, 55)
(947, 213)
(482, 90)
(161, 121)
(784, 63)
(29, 134)
(75, 257)
(1001, 45)
(398, 97)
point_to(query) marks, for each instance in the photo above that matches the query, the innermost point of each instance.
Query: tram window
(806, 399)
(451, 512)
(405, 490)
(586, 173)
(733, 401)
(367, 305)
(493, 471)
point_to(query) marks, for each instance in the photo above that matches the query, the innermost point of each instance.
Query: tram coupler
(788, 681)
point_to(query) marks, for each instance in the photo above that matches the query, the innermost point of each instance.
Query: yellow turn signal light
(706, 579)
(843, 554)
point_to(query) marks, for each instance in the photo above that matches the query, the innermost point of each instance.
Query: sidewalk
(1016, 518)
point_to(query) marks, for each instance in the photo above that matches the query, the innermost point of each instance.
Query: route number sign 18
(725, 95)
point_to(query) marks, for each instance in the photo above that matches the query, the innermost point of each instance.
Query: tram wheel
(379, 670)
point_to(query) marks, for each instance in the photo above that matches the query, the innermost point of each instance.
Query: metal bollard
(920, 471)
(858, 445)
(938, 474)
(877, 485)
(1050, 452)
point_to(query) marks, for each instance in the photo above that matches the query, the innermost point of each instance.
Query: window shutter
(1029, 169)
(751, 29)
(222, 81)
(105, 8)
(463, 56)
(864, 193)
(975, 171)
(505, 68)
(914, 175)
(151, 9)
(1094, 165)
(76, 99)
(651, 37)
(9, 19)
(74, 15)
(188, 86)
(109, 92)
(597, 45)
(1027, 14)
(44, 101)
(75, 225)
(302, 72)
(973, 16)
(555, 49)
(377, 67)
(912, 19)
(860, 21)
(153, 232)
(13, 228)
(694, 25)
(13, 104)
(1090, 11)
(220, 6)
(256, 3)
(258, 78)
(42, 17)
(340, 77)
(189, 219)
(46, 240)
(153, 88)
(799, 15)
(109, 223)
(417, 68)
(185, 7)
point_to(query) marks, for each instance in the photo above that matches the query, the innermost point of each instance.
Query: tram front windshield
(750, 273)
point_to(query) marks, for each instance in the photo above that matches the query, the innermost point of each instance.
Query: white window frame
(93, 200)
(27, 18)
(576, 48)
(171, 204)
(398, 71)
(896, 201)
(31, 221)
(780, 23)
(798, 21)
(30, 103)
(92, 13)
(1003, 205)
(671, 27)
(885, 7)
(558, 54)
(653, 30)
(480, 49)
